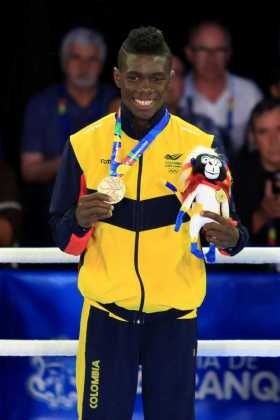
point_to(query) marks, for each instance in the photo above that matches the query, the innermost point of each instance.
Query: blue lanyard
(231, 100)
(119, 168)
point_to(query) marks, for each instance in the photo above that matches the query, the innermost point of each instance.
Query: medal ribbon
(121, 168)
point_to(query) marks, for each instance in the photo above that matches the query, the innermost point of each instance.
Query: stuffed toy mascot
(205, 185)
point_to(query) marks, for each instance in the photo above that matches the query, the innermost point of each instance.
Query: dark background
(32, 30)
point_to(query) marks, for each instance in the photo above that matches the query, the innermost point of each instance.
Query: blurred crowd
(203, 91)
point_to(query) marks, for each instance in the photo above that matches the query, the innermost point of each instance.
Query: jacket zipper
(136, 246)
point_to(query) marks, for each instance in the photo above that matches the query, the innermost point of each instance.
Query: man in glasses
(173, 101)
(211, 90)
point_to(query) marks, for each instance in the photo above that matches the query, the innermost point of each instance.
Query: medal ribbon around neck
(113, 185)
(121, 168)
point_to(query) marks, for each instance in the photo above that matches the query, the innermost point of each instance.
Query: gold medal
(123, 169)
(220, 196)
(114, 187)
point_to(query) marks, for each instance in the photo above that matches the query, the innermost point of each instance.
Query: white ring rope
(219, 348)
(254, 255)
(222, 348)
(35, 256)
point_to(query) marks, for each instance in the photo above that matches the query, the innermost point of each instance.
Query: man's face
(143, 80)
(209, 53)
(82, 65)
(266, 133)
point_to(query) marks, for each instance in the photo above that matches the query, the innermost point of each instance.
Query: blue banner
(38, 305)
(47, 305)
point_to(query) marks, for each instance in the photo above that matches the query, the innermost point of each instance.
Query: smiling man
(141, 286)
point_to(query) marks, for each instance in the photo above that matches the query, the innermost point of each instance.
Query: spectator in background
(210, 89)
(56, 113)
(257, 176)
(173, 101)
(274, 91)
(10, 208)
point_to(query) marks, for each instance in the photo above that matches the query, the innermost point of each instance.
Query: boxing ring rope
(218, 348)
(254, 255)
(209, 348)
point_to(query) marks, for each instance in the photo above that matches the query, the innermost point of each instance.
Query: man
(257, 176)
(210, 89)
(56, 113)
(174, 99)
(137, 275)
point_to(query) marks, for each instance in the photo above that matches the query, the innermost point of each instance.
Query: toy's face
(212, 166)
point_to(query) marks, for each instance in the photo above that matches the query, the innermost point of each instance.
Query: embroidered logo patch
(173, 157)
(172, 162)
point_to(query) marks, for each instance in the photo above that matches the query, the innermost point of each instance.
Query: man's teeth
(143, 103)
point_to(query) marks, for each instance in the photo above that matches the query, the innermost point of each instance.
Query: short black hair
(265, 105)
(146, 41)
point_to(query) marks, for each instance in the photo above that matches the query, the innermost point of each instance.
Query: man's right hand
(93, 207)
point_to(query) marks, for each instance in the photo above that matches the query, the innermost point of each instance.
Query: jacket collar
(127, 122)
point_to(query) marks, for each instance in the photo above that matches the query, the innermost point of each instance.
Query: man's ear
(117, 77)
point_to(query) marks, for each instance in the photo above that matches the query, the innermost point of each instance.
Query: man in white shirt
(210, 89)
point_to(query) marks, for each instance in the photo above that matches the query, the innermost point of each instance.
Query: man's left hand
(221, 232)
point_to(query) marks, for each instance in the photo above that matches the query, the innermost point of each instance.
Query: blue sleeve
(33, 126)
(64, 199)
